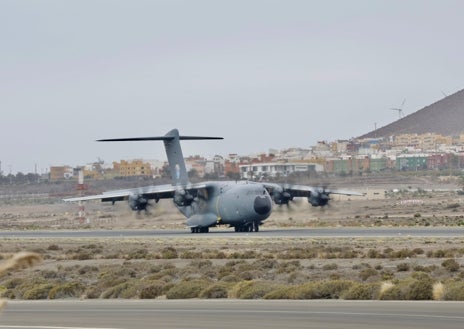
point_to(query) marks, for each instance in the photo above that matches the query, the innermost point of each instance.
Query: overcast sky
(262, 74)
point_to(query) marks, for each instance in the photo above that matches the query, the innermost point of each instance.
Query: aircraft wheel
(256, 226)
(236, 228)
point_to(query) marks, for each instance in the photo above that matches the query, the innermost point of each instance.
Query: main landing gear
(199, 229)
(248, 227)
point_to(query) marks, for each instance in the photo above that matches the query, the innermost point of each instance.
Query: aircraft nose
(262, 205)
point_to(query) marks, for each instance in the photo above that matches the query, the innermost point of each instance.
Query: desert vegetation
(279, 268)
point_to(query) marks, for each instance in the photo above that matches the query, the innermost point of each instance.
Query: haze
(262, 74)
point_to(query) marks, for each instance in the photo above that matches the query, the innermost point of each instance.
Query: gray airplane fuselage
(233, 203)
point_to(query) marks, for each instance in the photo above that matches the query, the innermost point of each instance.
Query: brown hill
(444, 117)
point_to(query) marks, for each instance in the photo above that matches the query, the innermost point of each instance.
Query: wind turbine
(399, 109)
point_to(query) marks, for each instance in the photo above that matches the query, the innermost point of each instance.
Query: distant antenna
(399, 109)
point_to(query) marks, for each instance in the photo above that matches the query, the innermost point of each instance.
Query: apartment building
(136, 167)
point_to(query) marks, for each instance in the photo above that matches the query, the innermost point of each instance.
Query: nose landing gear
(247, 227)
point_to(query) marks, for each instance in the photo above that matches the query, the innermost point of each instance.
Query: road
(444, 232)
(135, 314)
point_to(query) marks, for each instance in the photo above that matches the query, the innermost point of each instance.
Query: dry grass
(17, 261)
(438, 291)
(20, 260)
(385, 286)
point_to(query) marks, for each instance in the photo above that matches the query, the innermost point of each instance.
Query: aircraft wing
(305, 190)
(149, 192)
(317, 196)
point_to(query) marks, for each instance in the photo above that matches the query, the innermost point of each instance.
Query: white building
(273, 169)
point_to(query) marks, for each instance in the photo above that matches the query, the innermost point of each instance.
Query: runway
(343, 232)
(137, 314)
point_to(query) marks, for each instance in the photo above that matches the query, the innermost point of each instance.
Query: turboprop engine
(138, 202)
(319, 198)
(183, 198)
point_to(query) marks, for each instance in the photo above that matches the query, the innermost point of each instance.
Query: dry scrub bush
(417, 287)
(403, 267)
(330, 267)
(362, 291)
(152, 290)
(451, 265)
(247, 254)
(217, 290)
(187, 289)
(189, 254)
(367, 273)
(169, 253)
(54, 247)
(289, 267)
(200, 264)
(282, 292)
(138, 254)
(252, 289)
(330, 289)
(454, 290)
(265, 264)
(298, 253)
(66, 290)
(39, 291)
(445, 253)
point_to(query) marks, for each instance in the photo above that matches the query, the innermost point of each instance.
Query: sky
(260, 73)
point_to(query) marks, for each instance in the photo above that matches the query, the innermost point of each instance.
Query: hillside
(444, 117)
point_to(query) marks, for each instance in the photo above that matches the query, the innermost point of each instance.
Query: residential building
(257, 171)
(135, 167)
(61, 173)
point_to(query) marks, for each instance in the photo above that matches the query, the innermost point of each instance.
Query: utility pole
(81, 187)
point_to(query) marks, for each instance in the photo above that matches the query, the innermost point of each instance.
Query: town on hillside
(405, 152)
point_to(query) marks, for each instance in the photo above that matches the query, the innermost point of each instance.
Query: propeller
(137, 202)
(281, 196)
(183, 198)
(319, 197)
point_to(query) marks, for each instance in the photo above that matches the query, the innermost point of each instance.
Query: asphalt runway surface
(135, 314)
(444, 232)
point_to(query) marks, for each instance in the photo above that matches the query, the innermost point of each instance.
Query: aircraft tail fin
(173, 151)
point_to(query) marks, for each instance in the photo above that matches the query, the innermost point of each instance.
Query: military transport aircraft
(243, 205)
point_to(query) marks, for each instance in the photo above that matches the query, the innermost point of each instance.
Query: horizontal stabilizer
(158, 138)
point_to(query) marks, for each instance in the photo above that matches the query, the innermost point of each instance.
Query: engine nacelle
(319, 199)
(281, 197)
(183, 198)
(138, 202)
